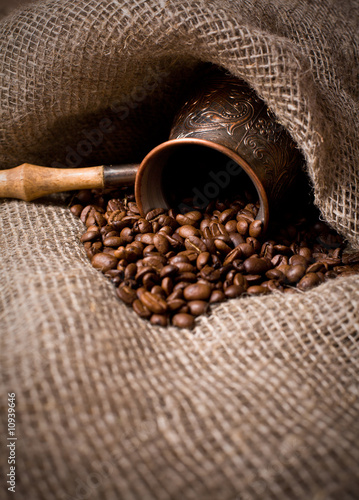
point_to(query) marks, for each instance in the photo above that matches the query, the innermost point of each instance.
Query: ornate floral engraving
(226, 111)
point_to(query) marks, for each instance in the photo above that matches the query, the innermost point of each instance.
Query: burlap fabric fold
(260, 401)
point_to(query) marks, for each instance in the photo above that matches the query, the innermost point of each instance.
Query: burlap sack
(261, 400)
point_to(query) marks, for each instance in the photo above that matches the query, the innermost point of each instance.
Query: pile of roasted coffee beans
(170, 267)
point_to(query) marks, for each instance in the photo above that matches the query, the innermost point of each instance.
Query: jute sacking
(261, 400)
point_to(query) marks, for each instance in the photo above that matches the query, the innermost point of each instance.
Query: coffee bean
(167, 285)
(197, 291)
(169, 271)
(150, 279)
(308, 281)
(190, 218)
(242, 226)
(158, 290)
(246, 249)
(155, 213)
(113, 241)
(197, 307)
(222, 246)
(185, 267)
(295, 273)
(202, 260)
(90, 236)
(257, 290)
(256, 265)
(195, 244)
(210, 274)
(231, 226)
(104, 261)
(255, 228)
(350, 258)
(159, 320)
(234, 291)
(154, 303)
(130, 271)
(240, 280)
(275, 274)
(216, 296)
(141, 309)
(175, 304)
(187, 230)
(161, 243)
(183, 320)
(142, 226)
(179, 263)
(234, 254)
(186, 276)
(126, 294)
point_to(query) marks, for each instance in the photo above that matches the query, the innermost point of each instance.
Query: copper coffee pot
(224, 137)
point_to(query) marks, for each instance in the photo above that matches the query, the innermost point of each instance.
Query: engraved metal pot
(224, 138)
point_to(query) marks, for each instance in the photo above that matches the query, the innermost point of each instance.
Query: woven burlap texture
(260, 401)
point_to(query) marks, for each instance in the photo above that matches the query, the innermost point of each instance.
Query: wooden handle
(28, 182)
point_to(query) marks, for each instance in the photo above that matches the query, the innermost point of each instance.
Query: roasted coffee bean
(217, 296)
(169, 271)
(227, 215)
(159, 320)
(178, 258)
(315, 267)
(180, 263)
(202, 260)
(187, 230)
(161, 243)
(142, 226)
(109, 250)
(197, 307)
(141, 309)
(279, 260)
(195, 244)
(197, 291)
(234, 291)
(296, 260)
(150, 279)
(234, 254)
(240, 280)
(175, 304)
(183, 320)
(113, 241)
(190, 218)
(255, 228)
(90, 236)
(231, 226)
(154, 303)
(350, 258)
(210, 274)
(158, 290)
(155, 213)
(308, 281)
(275, 274)
(185, 267)
(256, 265)
(187, 276)
(246, 249)
(130, 271)
(257, 290)
(104, 261)
(126, 294)
(222, 246)
(242, 226)
(167, 285)
(295, 273)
